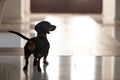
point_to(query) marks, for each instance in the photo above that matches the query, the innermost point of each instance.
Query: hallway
(81, 49)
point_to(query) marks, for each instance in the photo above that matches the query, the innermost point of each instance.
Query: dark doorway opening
(66, 6)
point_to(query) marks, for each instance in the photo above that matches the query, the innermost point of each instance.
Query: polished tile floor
(81, 49)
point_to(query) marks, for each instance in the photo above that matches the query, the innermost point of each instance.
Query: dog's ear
(37, 27)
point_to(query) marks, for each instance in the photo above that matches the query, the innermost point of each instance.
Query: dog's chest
(41, 42)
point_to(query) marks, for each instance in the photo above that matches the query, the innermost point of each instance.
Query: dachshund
(39, 45)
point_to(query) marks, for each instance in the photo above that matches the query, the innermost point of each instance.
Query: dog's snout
(52, 28)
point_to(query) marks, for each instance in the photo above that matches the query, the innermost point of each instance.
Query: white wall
(16, 10)
(108, 11)
(111, 11)
(25, 10)
(2, 2)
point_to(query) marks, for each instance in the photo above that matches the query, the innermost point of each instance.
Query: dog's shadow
(36, 75)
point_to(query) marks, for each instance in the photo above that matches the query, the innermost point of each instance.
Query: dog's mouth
(52, 28)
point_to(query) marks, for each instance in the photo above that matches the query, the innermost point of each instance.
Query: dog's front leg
(45, 59)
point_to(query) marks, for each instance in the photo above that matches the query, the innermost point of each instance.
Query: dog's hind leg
(38, 63)
(35, 61)
(27, 62)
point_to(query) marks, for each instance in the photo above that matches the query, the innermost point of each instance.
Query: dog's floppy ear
(37, 27)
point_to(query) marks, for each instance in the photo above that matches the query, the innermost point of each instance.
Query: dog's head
(44, 27)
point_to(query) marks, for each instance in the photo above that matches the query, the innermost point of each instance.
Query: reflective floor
(62, 68)
(82, 48)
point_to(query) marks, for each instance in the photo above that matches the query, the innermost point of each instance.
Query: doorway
(66, 6)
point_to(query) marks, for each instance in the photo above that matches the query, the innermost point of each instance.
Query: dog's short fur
(38, 46)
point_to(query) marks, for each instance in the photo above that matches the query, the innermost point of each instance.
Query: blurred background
(84, 46)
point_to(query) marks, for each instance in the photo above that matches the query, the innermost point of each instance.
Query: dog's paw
(34, 64)
(45, 62)
(39, 69)
(25, 68)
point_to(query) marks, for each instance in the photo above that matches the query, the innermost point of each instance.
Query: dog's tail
(19, 34)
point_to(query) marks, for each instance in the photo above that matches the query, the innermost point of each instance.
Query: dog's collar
(41, 35)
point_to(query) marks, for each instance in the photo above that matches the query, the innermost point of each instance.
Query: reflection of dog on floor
(38, 46)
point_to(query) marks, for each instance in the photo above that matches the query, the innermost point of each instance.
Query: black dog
(38, 46)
